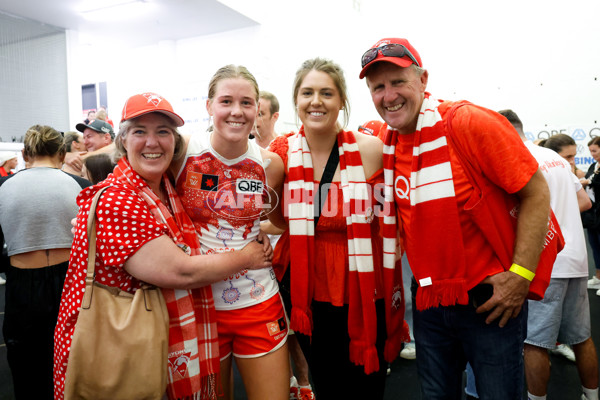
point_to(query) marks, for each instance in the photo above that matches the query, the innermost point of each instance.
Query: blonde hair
(335, 73)
(43, 140)
(101, 115)
(231, 72)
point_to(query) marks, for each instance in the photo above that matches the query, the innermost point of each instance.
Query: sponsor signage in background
(581, 134)
(191, 105)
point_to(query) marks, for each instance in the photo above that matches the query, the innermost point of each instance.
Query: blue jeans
(447, 337)
(470, 387)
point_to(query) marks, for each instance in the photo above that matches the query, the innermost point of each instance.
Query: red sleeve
(491, 142)
(125, 223)
(281, 146)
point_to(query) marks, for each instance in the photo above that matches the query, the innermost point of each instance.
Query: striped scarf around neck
(436, 251)
(193, 341)
(362, 319)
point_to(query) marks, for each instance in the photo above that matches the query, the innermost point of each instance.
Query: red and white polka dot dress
(124, 224)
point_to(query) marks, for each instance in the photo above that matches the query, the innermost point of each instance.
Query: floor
(402, 382)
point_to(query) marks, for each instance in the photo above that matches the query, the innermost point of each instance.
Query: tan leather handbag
(119, 347)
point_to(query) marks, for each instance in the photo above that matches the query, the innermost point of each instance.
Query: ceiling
(143, 23)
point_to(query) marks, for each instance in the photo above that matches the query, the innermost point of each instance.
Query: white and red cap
(145, 103)
(373, 128)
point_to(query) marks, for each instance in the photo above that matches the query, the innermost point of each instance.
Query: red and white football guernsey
(224, 200)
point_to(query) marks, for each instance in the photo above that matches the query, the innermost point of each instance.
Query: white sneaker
(409, 352)
(598, 292)
(2, 281)
(565, 351)
(593, 283)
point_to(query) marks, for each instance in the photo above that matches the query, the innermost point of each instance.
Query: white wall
(33, 85)
(540, 58)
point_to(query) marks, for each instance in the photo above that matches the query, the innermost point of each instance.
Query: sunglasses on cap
(388, 50)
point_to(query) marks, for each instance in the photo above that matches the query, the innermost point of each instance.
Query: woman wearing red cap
(142, 230)
(223, 182)
(346, 303)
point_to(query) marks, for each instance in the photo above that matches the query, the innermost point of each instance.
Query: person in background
(347, 302)
(467, 305)
(91, 115)
(374, 128)
(566, 147)
(268, 114)
(36, 205)
(102, 114)
(74, 141)
(218, 167)
(96, 135)
(165, 253)
(8, 162)
(97, 167)
(591, 182)
(564, 313)
(73, 144)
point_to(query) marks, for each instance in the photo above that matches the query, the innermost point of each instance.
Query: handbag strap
(328, 172)
(91, 266)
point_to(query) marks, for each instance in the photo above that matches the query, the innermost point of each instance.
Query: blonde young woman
(223, 181)
(342, 299)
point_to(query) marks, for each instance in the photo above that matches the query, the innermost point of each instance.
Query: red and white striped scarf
(362, 319)
(193, 341)
(433, 212)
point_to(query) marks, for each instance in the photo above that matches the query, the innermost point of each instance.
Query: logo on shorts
(276, 326)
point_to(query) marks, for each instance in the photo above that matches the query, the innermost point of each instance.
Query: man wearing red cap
(469, 305)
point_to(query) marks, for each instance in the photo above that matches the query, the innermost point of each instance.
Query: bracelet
(524, 272)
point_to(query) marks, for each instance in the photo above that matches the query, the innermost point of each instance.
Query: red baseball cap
(145, 103)
(373, 128)
(375, 54)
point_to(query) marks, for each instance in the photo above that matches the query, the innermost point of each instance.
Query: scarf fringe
(301, 322)
(208, 390)
(364, 354)
(371, 360)
(446, 292)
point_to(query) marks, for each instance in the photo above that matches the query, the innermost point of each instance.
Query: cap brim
(401, 62)
(81, 127)
(176, 118)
